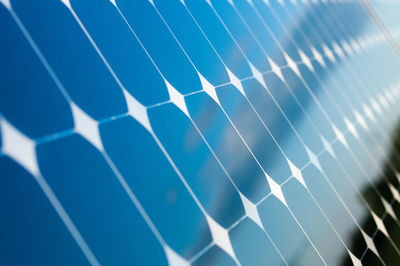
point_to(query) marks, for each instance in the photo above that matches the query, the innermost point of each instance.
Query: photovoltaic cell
(199, 132)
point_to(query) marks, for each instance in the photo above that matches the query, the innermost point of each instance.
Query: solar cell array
(199, 132)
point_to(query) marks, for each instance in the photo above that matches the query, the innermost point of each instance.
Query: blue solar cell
(307, 212)
(122, 50)
(228, 146)
(199, 132)
(291, 23)
(154, 34)
(294, 112)
(275, 121)
(275, 26)
(241, 34)
(324, 193)
(28, 92)
(72, 57)
(286, 234)
(219, 37)
(159, 189)
(215, 256)
(44, 240)
(193, 41)
(259, 249)
(254, 133)
(106, 217)
(197, 163)
(260, 31)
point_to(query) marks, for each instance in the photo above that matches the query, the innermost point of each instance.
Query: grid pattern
(194, 132)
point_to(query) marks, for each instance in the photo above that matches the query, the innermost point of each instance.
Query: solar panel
(199, 132)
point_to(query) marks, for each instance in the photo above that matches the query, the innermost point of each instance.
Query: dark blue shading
(294, 111)
(259, 250)
(28, 92)
(241, 34)
(314, 223)
(228, 146)
(97, 203)
(193, 41)
(286, 233)
(219, 37)
(122, 50)
(197, 164)
(254, 133)
(277, 124)
(261, 31)
(214, 256)
(160, 44)
(156, 185)
(72, 57)
(31, 231)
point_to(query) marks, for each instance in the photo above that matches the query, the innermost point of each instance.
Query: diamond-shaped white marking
(388, 208)
(338, 50)
(360, 119)
(347, 47)
(251, 210)
(395, 192)
(292, 65)
(209, 89)
(380, 224)
(351, 127)
(318, 56)
(137, 111)
(235, 81)
(86, 126)
(354, 259)
(354, 45)
(276, 190)
(383, 101)
(276, 69)
(389, 96)
(328, 53)
(314, 159)
(306, 60)
(328, 147)
(368, 113)
(370, 243)
(19, 147)
(376, 106)
(67, 4)
(220, 236)
(297, 173)
(177, 98)
(340, 136)
(257, 75)
(173, 258)
(362, 43)
(6, 4)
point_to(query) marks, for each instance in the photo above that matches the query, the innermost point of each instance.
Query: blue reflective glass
(199, 132)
